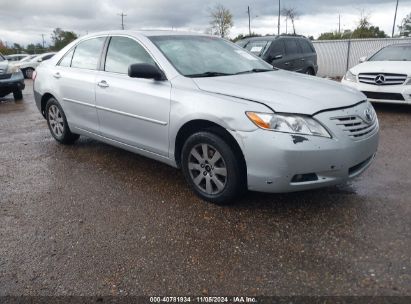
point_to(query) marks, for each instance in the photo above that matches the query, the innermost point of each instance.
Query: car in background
(16, 57)
(28, 67)
(227, 118)
(292, 53)
(11, 79)
(385, 76)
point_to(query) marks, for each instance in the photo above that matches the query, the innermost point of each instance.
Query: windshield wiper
(208, 74)
(255, 71)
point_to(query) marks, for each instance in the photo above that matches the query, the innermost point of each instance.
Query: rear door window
(292, 47)
(66, 61)
(87, 54)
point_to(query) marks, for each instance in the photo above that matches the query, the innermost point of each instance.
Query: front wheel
(18, 95)
(212, 168)
(57, 122)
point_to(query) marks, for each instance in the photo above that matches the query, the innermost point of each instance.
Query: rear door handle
(302, 59)
(287, 63)
(57, 75)
(103, 84)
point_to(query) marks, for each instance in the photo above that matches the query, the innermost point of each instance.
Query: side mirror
(39, 60)
(146, 71)
(363, 59)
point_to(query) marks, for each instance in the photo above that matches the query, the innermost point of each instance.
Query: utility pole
(279, 17)
(339, 24)
(42, 36)
(249, 21)
(122, 19)
(395, 19)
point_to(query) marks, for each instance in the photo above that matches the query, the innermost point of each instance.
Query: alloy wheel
(56, 121)
(207, 169)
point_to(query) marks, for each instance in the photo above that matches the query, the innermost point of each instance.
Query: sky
(24, 21)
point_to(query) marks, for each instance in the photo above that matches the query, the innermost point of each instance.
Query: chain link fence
(335, 57)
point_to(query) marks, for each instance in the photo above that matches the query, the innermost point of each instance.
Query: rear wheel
(18, 95)
(310, 71)
(57, 122)
(212, 168)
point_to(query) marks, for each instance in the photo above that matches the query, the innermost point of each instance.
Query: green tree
(335, 35)
(61, 38)
(221, 21)
(366, 30)
(405, 27)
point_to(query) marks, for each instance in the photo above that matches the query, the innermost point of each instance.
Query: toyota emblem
(380, 79)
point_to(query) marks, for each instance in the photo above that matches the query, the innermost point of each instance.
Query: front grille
(356, 127)
(5, 76)
(382, 79)
(382, 96)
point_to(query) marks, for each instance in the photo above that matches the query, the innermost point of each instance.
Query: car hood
(284, 91)
(395, 67)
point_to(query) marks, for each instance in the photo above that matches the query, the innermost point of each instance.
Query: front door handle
(57, 75)
(103, 84)
(287, 63)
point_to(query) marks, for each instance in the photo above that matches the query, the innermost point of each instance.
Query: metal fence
(335, 56)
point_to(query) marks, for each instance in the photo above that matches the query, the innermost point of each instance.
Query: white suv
(385, 76)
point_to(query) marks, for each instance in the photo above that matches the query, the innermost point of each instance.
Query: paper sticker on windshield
(256, 49)
(245, 55)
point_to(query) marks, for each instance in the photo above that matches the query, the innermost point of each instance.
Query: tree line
(221, 22)
(59, 39)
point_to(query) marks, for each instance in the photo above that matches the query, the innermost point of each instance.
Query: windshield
(258, 47)
(203, 56)
(393, 53)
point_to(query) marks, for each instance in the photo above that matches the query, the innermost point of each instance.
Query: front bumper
(386, 94)
(280, 162)
(12, 83)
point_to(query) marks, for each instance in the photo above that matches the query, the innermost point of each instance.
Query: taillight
(34, 75)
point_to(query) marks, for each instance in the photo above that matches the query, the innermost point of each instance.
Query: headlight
(409, 82)
(350, 77)
(288, 123)
(12, 69)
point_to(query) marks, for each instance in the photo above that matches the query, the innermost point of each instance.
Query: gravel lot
(91, 219)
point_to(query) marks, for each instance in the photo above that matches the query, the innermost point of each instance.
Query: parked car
(292, 53)
(16, 57)
(385, 76)
(11, 79)
(27, 67)
(203, 104)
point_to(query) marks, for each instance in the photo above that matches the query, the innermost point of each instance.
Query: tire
(57, 122)
(18, 95)
(28, 73)
(310, 71)
(216, 178)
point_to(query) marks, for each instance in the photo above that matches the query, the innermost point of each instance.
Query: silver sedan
(200, 103)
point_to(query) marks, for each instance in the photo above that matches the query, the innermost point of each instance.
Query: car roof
(270, 38)
(400, 44)
(147, 33)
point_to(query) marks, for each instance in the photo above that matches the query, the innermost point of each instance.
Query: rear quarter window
(305, 46)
